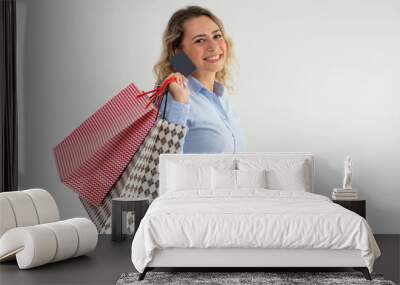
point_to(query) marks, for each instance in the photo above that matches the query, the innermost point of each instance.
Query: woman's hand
(179, 89)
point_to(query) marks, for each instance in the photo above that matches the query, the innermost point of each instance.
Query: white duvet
(251, 218)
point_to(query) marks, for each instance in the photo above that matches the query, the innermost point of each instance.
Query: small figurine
(347, 173)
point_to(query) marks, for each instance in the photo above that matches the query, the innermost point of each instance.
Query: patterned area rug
(269, 278)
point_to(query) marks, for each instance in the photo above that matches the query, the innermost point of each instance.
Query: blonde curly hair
(172, 40)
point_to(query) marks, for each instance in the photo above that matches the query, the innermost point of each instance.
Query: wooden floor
(111, 259)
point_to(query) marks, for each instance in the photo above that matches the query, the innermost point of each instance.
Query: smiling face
(204, 44)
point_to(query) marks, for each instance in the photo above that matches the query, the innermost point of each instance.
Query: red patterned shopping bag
(93, 156)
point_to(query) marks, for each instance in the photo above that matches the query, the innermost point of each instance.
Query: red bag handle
(158, 92)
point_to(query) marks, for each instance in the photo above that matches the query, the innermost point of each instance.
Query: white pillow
(282, 174)
(287, 179)
(223, 179)
(188, 177)
(227, 179)
(251, 178)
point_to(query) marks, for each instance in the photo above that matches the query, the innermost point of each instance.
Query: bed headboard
(230, 159)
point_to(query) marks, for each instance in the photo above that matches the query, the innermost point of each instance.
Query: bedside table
(357, 206)
(119, 205)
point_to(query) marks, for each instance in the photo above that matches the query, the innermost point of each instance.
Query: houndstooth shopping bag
(140, 178)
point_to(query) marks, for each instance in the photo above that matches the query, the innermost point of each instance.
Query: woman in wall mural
(200, 101)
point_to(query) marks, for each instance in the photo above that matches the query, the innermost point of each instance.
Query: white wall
(319, 76)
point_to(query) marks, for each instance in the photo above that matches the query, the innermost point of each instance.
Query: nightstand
(357, 206)
(119, 206)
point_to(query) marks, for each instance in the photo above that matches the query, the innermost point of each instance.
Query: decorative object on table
(267, 278)
(357, 206)
(348, 170)
(346, 192)
(31, 232)
(122, 205)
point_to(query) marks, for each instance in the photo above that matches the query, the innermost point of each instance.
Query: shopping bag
(140, 178)
(91, 159)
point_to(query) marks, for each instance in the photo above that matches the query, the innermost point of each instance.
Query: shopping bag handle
(159, 101)
(158, 92)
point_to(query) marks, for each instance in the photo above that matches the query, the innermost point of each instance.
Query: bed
(247, 210)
